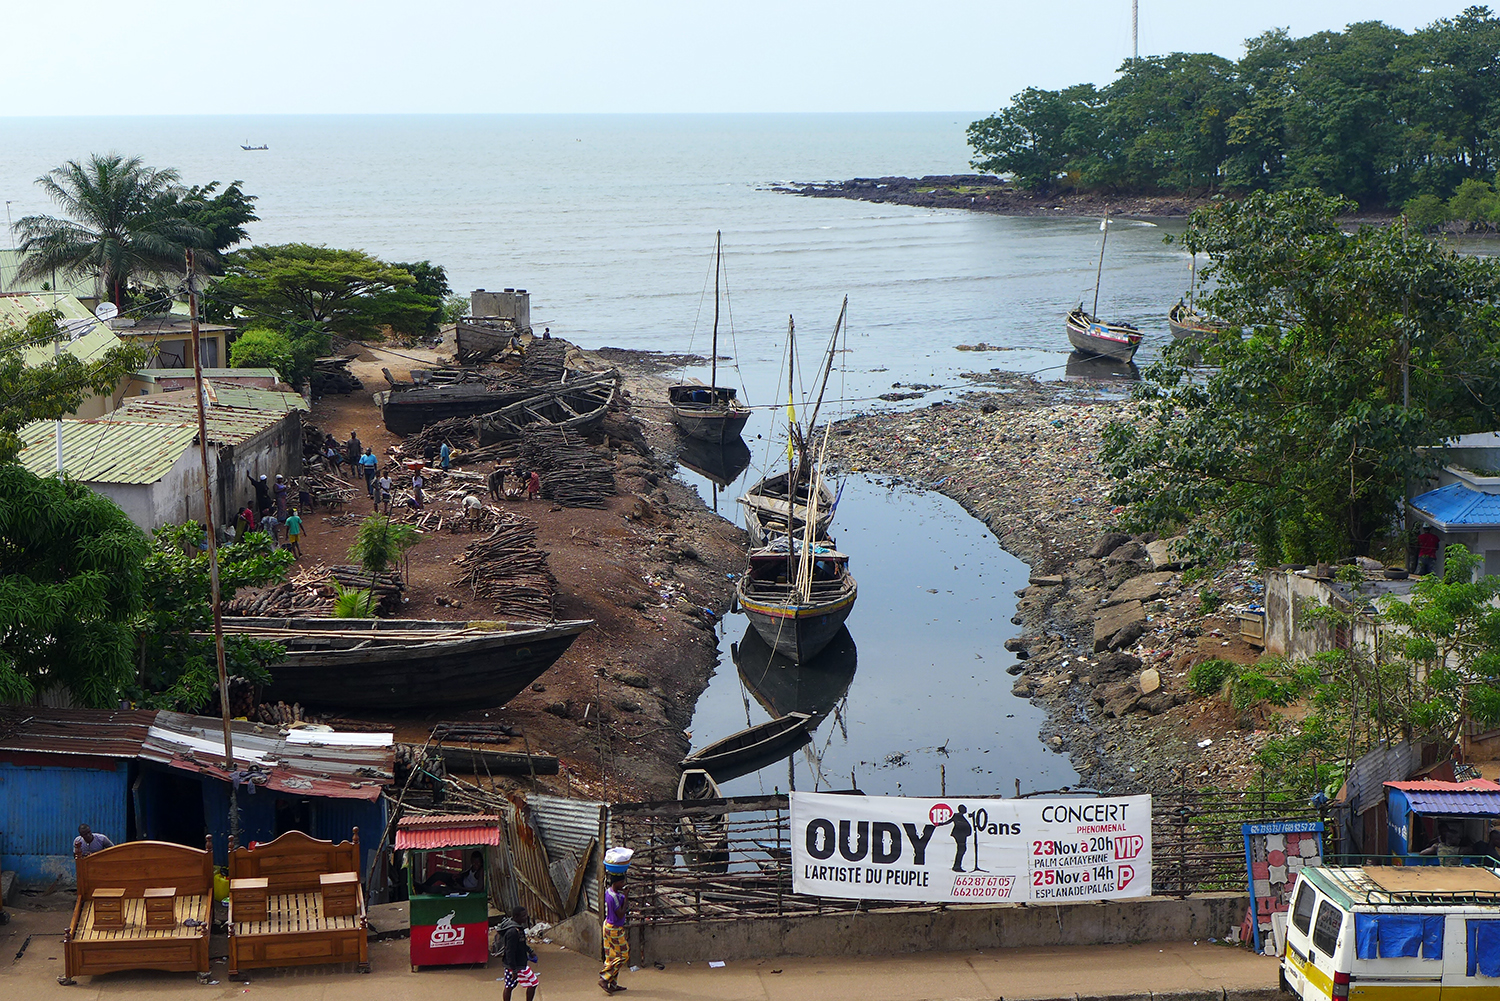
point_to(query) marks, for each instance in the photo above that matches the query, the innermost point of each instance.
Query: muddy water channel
(916, 693)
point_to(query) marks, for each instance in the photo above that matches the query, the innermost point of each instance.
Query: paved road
(1005, 973)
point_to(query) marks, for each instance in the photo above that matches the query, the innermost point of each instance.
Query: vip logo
(1129, 846)
(444, 934)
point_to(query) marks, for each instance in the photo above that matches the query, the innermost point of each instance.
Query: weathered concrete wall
(171, 500)
(1289, 630)
(277, 449)
(580, 933)
(934, 929)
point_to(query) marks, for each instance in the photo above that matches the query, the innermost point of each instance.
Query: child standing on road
(517, 955)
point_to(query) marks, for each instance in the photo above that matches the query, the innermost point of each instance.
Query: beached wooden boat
(407, 409)
(797, 600)
(577, 406)
(743, 752)
(783, 686)
(711, 412)
(413, 665)
(1184, 321)
(705, 836)
(768, 506)
(1091, 336)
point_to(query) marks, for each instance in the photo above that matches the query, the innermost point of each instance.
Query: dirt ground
(615, 707)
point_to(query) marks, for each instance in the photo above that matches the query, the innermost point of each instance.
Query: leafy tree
(51, 388)
(179, 670)
(432, 285)
(379, 544)
(117, 226)
(1473, 203)
(290, 352)
(1426, 211)
(221, 215)
(71, 587)
(1298, 440)
(348, 291)
(1040, 138)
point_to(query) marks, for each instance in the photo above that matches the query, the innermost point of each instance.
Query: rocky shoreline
(1110, 624)
(985, 193)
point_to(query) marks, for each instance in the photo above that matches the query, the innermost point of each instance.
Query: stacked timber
(310, 593)
(508, 568)
(545, 360)
(332, 375)
(573, 473)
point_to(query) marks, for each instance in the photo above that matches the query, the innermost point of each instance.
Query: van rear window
(1302, 910)
(1326, 931)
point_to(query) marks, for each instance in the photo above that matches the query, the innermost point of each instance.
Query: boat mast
(791, 450)
(1099, 275)
(713, 362)
(1192, 279)
(827, 368)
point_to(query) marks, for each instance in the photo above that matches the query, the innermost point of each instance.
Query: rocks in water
(1142, 588)
(1108, 543)
(1114, 625)
(1015, 669)
(1150, 680)
(1017, 646)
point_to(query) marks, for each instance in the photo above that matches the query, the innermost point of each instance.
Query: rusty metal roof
(100, 733)
(448, 830)
(1479, 797)
(107, 451)
(227, 425)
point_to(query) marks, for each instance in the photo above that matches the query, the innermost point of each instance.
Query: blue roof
(1479, 798)
(1458, 507)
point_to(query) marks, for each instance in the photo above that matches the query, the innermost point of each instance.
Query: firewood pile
(279, 714)
(573, 473)
(310, 593)
(544, 360)
(332, 375)
(458, 432)
(506, 567)
(329, 490)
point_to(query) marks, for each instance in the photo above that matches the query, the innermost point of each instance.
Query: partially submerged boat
(754, 747)
(413, 665)
(797, 596)
(712, 412)
(783, 686)
(705, 836)
(578, 406)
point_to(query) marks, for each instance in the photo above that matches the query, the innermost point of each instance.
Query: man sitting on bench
(469, 880)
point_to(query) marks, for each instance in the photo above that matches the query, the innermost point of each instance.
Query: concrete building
(1292, 630)
(168, 340)
(151, 469)
(513, 304)
(1465, 509)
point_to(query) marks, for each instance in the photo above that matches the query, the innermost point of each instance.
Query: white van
(1407, 933)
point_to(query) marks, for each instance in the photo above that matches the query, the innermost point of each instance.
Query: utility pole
(213, 548)
(1135, 29)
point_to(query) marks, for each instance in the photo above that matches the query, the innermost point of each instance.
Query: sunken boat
(576, 406)
(752, 748)
(783, 686)
(412, 665)
(797, 596)
(408, 408)
(705, 836)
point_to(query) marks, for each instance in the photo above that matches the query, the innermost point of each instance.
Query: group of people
(273, 511)
(529, 483)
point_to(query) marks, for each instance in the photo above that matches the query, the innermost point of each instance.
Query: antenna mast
(1135, 29)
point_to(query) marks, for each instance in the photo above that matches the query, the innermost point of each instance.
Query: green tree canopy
(1297, 439)
(1370, 112)
(71, 584)
(290, 352)
(348, 291)
(50, 388)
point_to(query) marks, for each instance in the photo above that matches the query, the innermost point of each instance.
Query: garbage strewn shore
(1110, 628)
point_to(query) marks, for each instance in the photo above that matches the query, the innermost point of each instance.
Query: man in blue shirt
(367, 465)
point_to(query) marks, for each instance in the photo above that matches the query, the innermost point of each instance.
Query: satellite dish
(106, 311)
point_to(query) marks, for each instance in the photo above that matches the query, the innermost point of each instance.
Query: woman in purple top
(616, 945)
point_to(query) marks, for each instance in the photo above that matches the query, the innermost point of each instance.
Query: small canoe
(708, 413)
(1092, 336)
(705, 836)
(743, 752)
(767, 505)
(1184, 321)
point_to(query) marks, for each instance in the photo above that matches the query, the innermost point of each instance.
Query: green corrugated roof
(10, 263)
(94, 338)
(107, 451)
(227, 425)
(211, 373)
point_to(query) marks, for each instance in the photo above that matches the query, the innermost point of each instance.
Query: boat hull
(1089, 336)
(798, 632)
(482, 672)
(766, 512)
(717, 426)
(752, 749)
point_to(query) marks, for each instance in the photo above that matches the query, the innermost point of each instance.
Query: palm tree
(118, 223)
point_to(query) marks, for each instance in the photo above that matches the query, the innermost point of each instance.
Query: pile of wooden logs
(311, 592)
(279, 713)
(573, 474)
(507, 568)
(544, 361)
(458, 432)
(332, 375)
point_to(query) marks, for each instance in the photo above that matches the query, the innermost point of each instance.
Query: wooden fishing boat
(578, 406)
(1184, 321)
(407, 409)
(1091, 336)
(711, 412)
(721, 465)
(705, 836)
(783, 686)
(797, 599)
(743, 752)
(412, 665)
(769, 507)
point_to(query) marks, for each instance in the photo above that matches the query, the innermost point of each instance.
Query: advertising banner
(968, 850)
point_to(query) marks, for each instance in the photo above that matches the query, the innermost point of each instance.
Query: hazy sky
(495, 56)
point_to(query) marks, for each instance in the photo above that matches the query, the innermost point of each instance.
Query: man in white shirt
(87, 842)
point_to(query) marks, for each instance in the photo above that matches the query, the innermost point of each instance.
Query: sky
(608, 56)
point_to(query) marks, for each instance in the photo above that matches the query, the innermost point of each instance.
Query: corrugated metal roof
(100, 733)
(173, 325)
(271, 401)
(107, 451)
(566, 827)
(209, 373)
(87, 340)
(226, 425)
(1373, 770)
(1457, 507)
(346, 766)
(10, 265)
(1476, 797)
(448, 830)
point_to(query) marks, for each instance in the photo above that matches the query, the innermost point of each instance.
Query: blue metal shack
(1420, 810)
(60, 768)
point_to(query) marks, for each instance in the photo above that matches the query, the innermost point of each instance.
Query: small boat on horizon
(709, 413)
(246, 146)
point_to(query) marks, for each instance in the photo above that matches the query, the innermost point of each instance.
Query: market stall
(448, 859)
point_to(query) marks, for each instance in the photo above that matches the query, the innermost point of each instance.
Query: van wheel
(1286, 985)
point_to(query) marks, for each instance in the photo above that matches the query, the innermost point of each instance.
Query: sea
(609, 222)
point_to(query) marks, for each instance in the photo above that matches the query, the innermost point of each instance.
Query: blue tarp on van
(1484, 948)
(1398, 936)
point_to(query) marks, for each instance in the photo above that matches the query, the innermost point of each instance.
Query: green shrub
(1426, 211)
(263, 347)
(1209, 676)
(1209, 601)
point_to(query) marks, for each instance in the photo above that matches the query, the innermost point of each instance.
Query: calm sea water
(609, 221)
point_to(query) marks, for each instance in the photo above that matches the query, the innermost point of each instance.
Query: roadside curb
(1223, 994)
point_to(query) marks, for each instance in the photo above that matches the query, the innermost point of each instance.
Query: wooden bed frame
(296, 932)
(136, 867)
